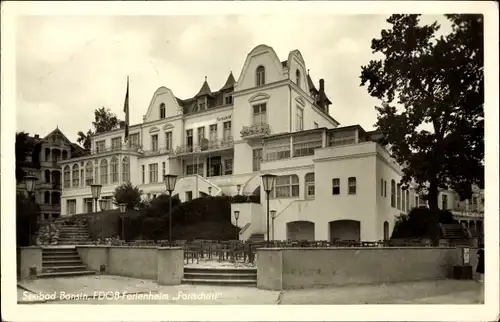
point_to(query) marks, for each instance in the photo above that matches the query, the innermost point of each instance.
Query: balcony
(50, 164)
(159, 151)
(207, 146)
(121, 148)
(255, 131)
(50, 208)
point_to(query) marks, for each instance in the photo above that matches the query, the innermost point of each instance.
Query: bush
(245, 199)
(26, 220)
(422, 223)
(160, 206)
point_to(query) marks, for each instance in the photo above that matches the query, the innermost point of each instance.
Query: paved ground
(121, 290)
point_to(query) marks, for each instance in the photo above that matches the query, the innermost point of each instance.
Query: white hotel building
(333, 182)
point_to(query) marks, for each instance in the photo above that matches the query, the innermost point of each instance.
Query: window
(297, 77)
(403, 201)
(393, 193)
(257, 158)
(228, 98)
(168, 141)
(398, 200)
(213, 132)
(474, 203)
(342, 138)
(67, 177)
(259, 114)
(310, 185)
(336, 186)
(316, 125)
(381, 187)
(189, 195)
(88, 205)
(444, 202)
(143, 174)
(89, 174)
(163, 112)
(261, 75)
(116, 143)
(305, 145)
(407, 200)
(114, 170)
(134, 140)
(46, 197)
(163, 165)
(286, 186)
(125, 169)
(385, 189)
(76, 176)
(71, 206)
(194, 169)
(154, 142)
(189, 139)
(351, 184)
(300, 118)
(201, 104)
(227, 131)
(100, 146)
(278, 150)
(201, 135)
(104, 171)
(153, 173)
(228, 166)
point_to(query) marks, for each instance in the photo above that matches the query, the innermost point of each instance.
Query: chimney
(37, 136)
(322, 93)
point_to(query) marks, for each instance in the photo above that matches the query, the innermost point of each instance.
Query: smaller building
(42, 161)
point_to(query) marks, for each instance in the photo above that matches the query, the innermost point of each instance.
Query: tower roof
(205, 89)
(229, 82)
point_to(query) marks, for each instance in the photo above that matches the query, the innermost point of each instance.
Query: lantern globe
(123, 207)
(236, 214)
(95, 189)
(170, 181)
(273, 214)
(268, 182)
(30, 183)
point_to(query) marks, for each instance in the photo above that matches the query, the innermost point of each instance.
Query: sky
(67, 66)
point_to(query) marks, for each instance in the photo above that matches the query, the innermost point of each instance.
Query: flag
(126, 110)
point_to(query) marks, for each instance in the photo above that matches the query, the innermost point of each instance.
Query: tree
(25, 145)
(26, 219)
(128, 194)
(160, 206)
(439, 83)
(104, 121)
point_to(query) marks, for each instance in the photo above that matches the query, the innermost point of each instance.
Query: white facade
(271, 120)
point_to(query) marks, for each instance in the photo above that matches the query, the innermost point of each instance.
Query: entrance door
(214, 166)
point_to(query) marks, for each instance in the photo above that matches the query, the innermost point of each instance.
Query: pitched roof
(204, 90)
(310, 83)
(229, 82)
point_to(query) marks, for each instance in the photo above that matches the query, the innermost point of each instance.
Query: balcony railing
(255, 131)
(207, 146)
(104, 149)
(157, 151)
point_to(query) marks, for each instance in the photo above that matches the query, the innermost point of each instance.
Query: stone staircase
(220, 276)
(62, 262)
(74, 234)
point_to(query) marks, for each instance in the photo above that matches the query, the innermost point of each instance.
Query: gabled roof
(57, 131)
(204, 90)
(229, 82)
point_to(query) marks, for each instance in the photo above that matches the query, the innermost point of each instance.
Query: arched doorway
(300, 230)
(345, 230)
(386, 230)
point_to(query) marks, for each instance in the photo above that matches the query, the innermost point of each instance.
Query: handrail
(292, 202)
(242, 230)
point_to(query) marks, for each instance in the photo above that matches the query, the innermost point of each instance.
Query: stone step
(61, 262)
(219, 282)
(221, 276)
(72, 268)
(221, 270)
(61, 257)
(60, 252)
(65, 274)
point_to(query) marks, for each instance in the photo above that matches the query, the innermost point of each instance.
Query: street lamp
(95, 189)
(268, 184)
(236, 216)
(273, 216)
(238, 187)
(170, 180)
(103, 204)
(209, 191)
(123, 207)
(30, 184)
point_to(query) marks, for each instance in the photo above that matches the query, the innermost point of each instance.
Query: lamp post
(236, 216)
(268, 184)
(123, 207)
(273, 216)
(238, 187)
(209, 191)
(30, 188)
(95, 189)
(170, 181)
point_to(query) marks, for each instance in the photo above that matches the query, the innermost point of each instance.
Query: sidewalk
(122, 290)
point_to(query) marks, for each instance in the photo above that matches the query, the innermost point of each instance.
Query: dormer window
(261, 75)
(163, 112)
(228, 98)
(297, 78)
(202, 104)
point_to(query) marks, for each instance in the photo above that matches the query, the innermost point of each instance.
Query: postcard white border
(13, 311)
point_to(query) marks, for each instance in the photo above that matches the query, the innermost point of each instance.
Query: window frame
(352, 188)
(293, 190)
(336, 186)
(310, 183)
(260, 76)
